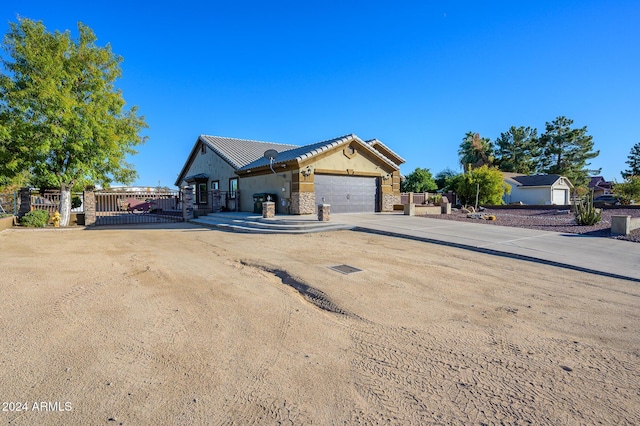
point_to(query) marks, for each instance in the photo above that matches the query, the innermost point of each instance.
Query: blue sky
(417, 75)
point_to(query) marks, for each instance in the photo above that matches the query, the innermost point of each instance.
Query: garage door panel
(347, 194)
(559, 196)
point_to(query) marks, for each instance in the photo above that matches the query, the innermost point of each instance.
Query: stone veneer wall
(89, 203)
(303, 202)
(388, 200)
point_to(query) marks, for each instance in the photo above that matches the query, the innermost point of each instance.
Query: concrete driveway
(604, 256)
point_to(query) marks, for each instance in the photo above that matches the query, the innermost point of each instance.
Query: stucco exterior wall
(362, 161)
(535, 195)
(213, 166)
(269, 183)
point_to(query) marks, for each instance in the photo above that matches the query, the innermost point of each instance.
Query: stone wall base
(303, 202)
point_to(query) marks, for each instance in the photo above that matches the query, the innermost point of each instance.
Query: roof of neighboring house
(533, 180)
(599, 182)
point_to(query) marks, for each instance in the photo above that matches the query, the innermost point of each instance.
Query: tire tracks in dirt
(253, 403)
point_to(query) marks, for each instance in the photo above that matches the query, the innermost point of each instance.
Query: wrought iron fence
(8, 203)
(50, 201)
(131, 207)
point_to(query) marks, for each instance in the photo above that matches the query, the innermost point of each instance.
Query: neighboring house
(538, 189)
(347, 172)
(600, 186)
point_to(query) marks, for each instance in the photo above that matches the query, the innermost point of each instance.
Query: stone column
(268, 209)
(89, 203)
(324, 212)
(187, 203)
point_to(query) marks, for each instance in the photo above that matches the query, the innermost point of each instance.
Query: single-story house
(599, 186)
(538, 189)
(350, 174)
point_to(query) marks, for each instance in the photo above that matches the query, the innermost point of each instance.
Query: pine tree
(565, 151)
(517, 150)
(633, 160)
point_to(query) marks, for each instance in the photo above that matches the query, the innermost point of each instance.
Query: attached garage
(353, 175)
(347, 194)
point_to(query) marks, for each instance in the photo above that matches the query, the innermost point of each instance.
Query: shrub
(487, 182)
(35, 218)
(75, 202)
(586, 214)
(629, 190)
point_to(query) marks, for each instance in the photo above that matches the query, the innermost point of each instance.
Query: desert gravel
(556, 220)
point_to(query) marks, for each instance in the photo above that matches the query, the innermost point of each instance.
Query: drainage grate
(345, 269)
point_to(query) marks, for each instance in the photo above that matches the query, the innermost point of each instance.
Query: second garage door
(347, 194)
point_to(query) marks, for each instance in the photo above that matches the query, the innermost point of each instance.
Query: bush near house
(35, 218)
(629, 190)
(487, 182)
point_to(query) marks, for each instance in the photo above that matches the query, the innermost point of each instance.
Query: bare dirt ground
(187, 325)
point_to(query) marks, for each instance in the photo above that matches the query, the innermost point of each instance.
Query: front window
(233, 187)
(202, 193)
(215, 184)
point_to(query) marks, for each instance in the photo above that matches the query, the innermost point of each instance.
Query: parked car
(608, 200)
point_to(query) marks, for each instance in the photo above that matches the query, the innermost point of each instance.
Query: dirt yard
(195, 326)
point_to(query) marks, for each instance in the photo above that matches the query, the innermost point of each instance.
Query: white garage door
(560, 197)
(346, 194)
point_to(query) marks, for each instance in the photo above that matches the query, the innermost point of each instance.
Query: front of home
(538, 189)
(350, 174)
(600, 186)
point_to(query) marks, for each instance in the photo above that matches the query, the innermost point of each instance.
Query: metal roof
(302, 153)
(240, 152)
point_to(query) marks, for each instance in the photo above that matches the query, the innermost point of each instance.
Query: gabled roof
(306, 152)
(244, 154)
(386, 151)
(599, 182)
(533, 180)
(240, 152)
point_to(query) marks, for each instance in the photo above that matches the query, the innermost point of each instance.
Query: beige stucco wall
(269, 183)
(361, 162)
(214, 166)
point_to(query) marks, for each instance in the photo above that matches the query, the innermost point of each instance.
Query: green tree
(487, 182)
(517, 150)
(633, 160)
(443, 178)
(419, 180)
(475, 151)
(629, 190)
(64, 119)
(566, 150)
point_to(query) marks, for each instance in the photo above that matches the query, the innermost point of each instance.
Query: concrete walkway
(603, 256)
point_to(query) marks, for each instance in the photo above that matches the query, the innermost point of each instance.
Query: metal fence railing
(128, 207)
(50, 201)
(8, 203)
